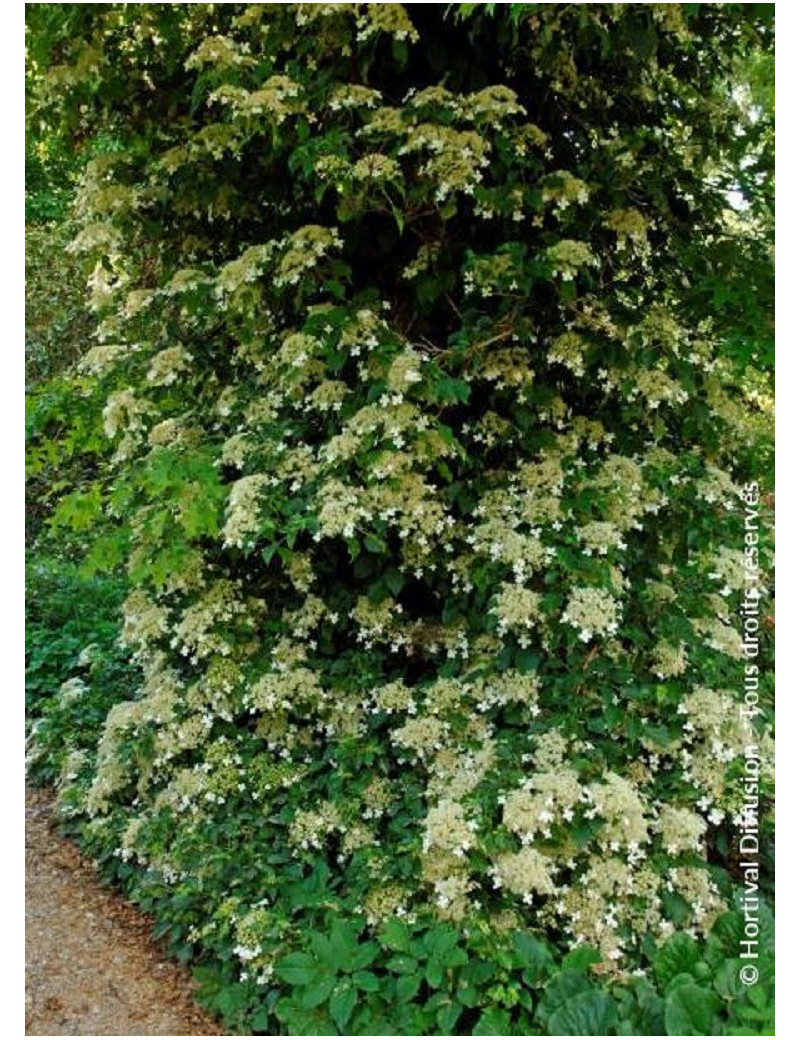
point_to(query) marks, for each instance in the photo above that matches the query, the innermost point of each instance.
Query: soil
(91, 966)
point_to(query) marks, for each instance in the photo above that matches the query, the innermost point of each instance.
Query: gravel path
(91, 966)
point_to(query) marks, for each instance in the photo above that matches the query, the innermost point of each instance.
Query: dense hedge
(425, 339)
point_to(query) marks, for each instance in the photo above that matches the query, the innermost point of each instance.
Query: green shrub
(434, 441)
(75, 669)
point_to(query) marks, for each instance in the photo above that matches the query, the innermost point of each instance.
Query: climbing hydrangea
(432, 461)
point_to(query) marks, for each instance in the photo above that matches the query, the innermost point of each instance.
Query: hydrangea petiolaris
(432, 455)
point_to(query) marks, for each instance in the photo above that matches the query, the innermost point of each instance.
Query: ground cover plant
(427, 397)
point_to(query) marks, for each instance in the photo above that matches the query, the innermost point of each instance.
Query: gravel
(92, 968)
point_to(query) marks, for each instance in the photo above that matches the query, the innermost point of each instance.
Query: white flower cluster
(593, 612)
(244, 509)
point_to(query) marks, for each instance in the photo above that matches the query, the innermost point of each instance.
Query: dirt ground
(91, 967)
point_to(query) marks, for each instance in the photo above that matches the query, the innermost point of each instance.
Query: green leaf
(324, 951)
(394, 581)
(527, 660)
(591, 1013)
(400, 52)
(434, 974)
(582, 958)
(439, 941)
(399, 218)
(690, 1011)
(367, 981)
(318, 992)
(493, 1023)
(260, 1021)
(648, 1014)
(341, 1005)
(344, 944)
(79, 510)
(727, 982)
(268, 553)
(363, 956)
(232, 999)
(447, 1016)
(407, 987)
(728, 928)
(402, 965)
(679, 954)
(533, 957)
(396, 936)
(559, 990)
(298, 969)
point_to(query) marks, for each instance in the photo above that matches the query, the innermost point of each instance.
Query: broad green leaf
(493, 1023)
(690, 1010)
(561, 988)
(591, 1013)
(318, 992)
(341, 1005)
(298, 969)
(366, 981)
(678, 954)
(407, 987)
